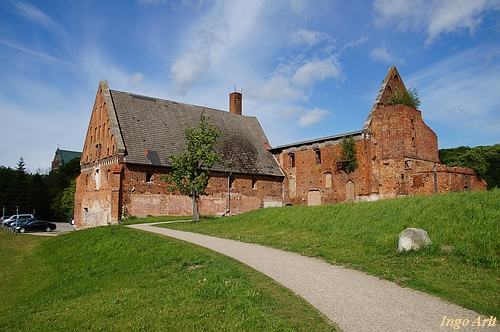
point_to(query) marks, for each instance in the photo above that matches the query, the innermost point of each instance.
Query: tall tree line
(46, 196)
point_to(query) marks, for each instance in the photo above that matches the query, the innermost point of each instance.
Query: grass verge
(461, 266)
(116, 278)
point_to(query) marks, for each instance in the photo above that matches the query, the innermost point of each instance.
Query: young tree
(191, 170)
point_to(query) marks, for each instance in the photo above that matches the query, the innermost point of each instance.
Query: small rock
(447, 248)
(413, 239)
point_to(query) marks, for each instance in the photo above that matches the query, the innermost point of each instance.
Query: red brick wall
(396, 157)
(400, 131)
(325, 177)
(98, 204)
(100, 142)
(247, 193)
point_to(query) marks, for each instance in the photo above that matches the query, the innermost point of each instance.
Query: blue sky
(307, 69)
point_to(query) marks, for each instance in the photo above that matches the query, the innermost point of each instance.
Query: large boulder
(413, 239)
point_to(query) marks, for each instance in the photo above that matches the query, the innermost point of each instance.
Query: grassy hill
(118, 279)
(115, 278)
(462, 265)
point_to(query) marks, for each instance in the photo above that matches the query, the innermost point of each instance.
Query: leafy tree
(485, 160)
(62, 183)
(348, 159)
(191, 170)
(63, 204)
(407, 98)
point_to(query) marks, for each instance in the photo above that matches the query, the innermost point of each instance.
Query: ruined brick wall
(97, 195)
(313, 176)
(405, 153)
(145, 193)
(400, 131)
(396, 157)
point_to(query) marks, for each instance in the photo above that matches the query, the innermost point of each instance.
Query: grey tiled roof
(152, 129)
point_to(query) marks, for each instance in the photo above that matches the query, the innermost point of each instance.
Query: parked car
(12, 219)
(32, 224)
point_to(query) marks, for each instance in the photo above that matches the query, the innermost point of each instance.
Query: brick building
(126, 150)
(130, 137)
(62, 157)
(397, 155)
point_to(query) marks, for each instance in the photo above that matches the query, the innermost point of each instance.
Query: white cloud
(380, 54)
(135, 80)
(36, 16)
(306, 117)
(435, 17)
(308, 37)
(317, 70)
(312, 117)
(187, 69)
(277, 89)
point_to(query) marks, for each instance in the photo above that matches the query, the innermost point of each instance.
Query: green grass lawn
(364, 236)
(118, 279)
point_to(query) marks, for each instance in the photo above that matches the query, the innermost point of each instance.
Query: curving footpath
(352, 299)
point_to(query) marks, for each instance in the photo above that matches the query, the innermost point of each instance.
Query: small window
(254, 183)
(318, 156)
(149, 176)
(292, 159)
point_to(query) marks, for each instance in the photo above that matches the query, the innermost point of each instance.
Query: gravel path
(352, 299)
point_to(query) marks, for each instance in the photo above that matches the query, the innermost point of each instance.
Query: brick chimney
(235, 103)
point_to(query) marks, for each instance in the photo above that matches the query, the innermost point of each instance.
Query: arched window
(291, 156)
(317, 153)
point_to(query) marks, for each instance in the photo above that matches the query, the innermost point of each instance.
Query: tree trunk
(196, 213)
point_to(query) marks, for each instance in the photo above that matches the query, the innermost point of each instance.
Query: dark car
(32, 224)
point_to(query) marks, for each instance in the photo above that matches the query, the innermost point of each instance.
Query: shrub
(407, 98)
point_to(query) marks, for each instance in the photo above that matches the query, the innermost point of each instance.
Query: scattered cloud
(135, 80)
(38, 17)
(277, 89)
(435, 17)
(317, 70)
(312, 117)
(306, 117)
(187, 69)
(307, 37)
(380, 54)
